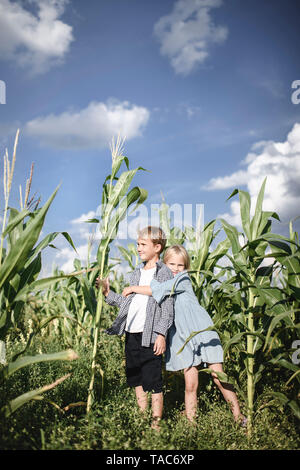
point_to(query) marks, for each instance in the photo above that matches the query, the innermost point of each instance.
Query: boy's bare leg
(157, 409)
(141, 398)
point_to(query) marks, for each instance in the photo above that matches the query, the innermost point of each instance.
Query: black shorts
(142, 366)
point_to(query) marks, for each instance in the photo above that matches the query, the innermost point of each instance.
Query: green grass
(115, 423)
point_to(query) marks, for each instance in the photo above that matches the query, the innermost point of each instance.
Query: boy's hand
(105, 285)
(127, 291)
(159, 345)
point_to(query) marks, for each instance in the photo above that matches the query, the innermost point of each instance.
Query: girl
(189, 316)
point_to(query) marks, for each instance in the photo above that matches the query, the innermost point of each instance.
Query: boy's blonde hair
(178, 250)
(156, 235)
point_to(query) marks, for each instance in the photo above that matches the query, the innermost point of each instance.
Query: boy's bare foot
(155, 424)
(191, 420)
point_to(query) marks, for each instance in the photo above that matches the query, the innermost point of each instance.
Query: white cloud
(280, 163)
(188, 32)
(91, 127)
(83, 230)
(36, 42)
(66, 256)
(223, 182)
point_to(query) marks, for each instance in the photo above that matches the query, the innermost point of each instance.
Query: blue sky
(200, 88)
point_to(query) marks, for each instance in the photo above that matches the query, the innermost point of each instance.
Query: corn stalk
(20, 265)
(116, 199)
(259, 298)
(254, 316)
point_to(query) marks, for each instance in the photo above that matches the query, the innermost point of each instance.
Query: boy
(145, 323)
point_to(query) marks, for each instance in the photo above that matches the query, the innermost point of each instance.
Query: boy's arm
(114, 299)
(159, 346)
(111, 298)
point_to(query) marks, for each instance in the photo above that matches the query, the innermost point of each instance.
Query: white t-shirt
(137, 310)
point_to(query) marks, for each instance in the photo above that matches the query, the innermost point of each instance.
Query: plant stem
(250, 360)
(97, 326)
(3, 228)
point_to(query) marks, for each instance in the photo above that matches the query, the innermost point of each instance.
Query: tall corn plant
(284, 326)
(173, 235)
(21, 261)
(205, 271)
(199, 243)
(258, 298)
(116, 199)
(20, 265)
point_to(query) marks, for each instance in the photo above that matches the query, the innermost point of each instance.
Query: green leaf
(137, 195)
(287, 402)
(277, 319)
(12, 367)
(18, 255)
(13, 222)
(26, 397)
(258, 212)
(221, 375)
(245, 204)
(234, 192)
(118, 192)
(41, 284)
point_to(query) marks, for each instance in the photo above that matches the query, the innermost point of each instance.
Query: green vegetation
(62, 380)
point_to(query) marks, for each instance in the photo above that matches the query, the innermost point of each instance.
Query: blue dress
(189, 317)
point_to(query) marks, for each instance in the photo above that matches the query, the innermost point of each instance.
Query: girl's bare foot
(241, 420)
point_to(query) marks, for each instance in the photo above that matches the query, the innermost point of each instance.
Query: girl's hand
(127, 291)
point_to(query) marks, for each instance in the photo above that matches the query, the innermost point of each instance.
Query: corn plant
(20, 266)
(173, 235)
(205, 271)
(116, 199)
(242, 298)
(20, 256)
(260, 302)
(129, 255)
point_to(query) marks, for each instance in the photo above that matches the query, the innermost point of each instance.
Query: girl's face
(175, 263)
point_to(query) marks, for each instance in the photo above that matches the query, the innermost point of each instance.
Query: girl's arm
(177, 285)
(145, 290)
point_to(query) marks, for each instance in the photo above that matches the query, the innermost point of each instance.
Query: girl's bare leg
(191, 386)
(227, 391)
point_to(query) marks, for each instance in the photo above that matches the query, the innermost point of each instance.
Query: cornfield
(249, 283)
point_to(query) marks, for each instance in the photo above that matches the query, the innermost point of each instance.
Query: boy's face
(147, 249)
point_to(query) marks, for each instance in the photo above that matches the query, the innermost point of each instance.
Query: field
(115, 423)
(62, 378)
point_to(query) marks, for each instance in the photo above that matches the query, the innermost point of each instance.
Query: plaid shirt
(159, 318)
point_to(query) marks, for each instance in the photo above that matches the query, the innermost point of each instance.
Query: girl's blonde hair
(178, 250)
